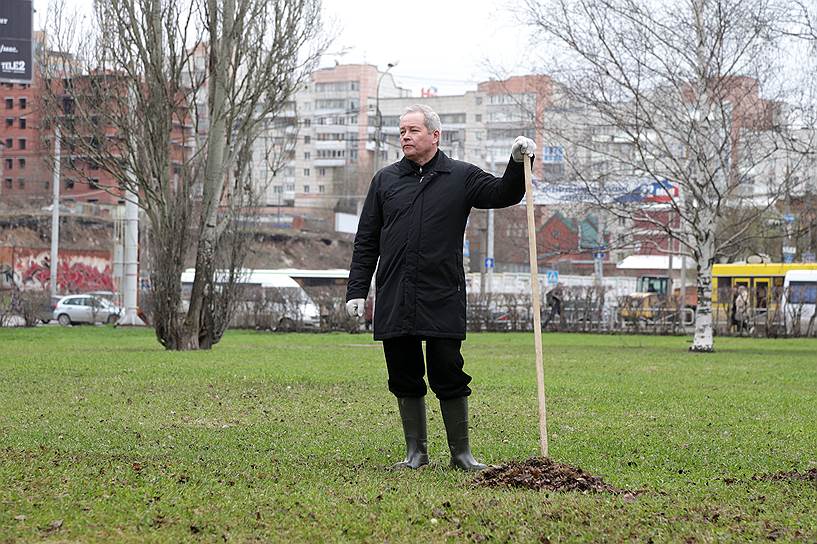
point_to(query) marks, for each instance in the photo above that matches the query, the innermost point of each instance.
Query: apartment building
(24, 176)
(327, 146)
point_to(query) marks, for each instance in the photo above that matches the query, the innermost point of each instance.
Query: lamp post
(379, 117)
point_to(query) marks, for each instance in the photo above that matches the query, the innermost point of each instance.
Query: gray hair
(432, 120)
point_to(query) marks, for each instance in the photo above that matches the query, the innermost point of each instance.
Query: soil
(544, 474)
(809, 476)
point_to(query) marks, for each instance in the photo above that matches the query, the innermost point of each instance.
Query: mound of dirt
(809, 475)
(544, 474)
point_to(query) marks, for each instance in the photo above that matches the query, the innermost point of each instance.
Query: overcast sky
(447, 44)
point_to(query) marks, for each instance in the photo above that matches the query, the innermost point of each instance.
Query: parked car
(73, 309)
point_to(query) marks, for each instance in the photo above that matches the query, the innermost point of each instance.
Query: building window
(9, 143)
(306, 188)
(479, 101)
(21, 143)
(69, 183)
(306, 172)
(93, 200)
(9, 183)
(321, 172)
(9, 164)
(307, 155)
(94, 183)
(307, 139)
(478, 118)
(9, 122)
(23, 122)
(46, 185)
(21, 163)
(553, 153)
(23, 103)
(321, 188)
(21, 183)
(9, 103)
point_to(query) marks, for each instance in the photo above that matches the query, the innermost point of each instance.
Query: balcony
(328, 163)
(330, 144)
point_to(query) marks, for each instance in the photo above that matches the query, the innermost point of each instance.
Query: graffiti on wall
(77, 271)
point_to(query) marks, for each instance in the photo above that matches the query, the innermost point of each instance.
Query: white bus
(799, 301)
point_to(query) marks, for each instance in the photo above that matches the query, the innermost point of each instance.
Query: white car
(74, 309)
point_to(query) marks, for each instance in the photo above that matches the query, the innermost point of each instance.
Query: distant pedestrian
(554, 302)
(741, 310)
(411, 229)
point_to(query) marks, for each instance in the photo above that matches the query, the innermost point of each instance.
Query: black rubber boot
(413, 415)
(455, 417)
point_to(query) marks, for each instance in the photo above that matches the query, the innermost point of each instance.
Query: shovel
(537, 318)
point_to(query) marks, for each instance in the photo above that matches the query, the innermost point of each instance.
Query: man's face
(417, 142)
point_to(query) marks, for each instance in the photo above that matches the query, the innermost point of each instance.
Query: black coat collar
(440, 163)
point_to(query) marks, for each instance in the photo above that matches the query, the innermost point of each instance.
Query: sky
(446, 44)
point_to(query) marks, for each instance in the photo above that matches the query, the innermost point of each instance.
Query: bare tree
(169, 97)
(685, 94)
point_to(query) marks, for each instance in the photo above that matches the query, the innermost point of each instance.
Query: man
(413, 220)
(554, 300)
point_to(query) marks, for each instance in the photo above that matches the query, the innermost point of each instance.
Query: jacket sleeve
(487, 191)
(367, 245)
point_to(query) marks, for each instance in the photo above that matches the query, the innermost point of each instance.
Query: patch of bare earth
(794, 475)
(544, 474)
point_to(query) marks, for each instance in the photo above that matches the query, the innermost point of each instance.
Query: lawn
(286, 438)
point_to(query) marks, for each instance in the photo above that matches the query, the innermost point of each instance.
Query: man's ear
(436, 135)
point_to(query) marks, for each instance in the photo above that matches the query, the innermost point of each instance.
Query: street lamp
(379, 117)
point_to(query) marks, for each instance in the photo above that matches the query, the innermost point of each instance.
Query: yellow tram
(764, 282)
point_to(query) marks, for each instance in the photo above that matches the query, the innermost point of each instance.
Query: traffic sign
(489, 262)
(551, 277)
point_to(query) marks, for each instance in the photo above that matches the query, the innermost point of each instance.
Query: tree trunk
(703, 340)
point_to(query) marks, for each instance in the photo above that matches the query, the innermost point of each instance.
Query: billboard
(628, 191)
(16, 47)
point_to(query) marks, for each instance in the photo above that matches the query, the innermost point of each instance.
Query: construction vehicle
(650, 303)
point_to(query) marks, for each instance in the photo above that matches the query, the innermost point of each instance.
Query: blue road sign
(489, 262)
(551, 277)
(789, 218)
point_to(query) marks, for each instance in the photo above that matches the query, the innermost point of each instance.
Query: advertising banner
(631, 191)
(16, 48)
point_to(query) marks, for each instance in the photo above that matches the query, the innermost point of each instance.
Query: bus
(765, 283)
(800, 302)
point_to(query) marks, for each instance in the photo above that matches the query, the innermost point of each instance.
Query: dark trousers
(404, 360)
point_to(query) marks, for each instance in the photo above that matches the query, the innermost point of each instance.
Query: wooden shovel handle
(537, 316)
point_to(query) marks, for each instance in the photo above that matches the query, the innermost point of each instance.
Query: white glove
(522, 146)
(355, 307)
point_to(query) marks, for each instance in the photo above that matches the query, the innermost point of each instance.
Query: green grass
(285, 438)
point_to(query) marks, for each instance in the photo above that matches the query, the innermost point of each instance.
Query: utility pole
(489, 254)
(55, 213)
(131, 316)
(379, 117)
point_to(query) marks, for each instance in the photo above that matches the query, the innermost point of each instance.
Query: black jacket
(414, 220)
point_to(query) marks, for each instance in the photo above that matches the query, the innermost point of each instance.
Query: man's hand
(522, 146)
(355, 307)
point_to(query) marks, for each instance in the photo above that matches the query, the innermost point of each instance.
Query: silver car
(85, 309)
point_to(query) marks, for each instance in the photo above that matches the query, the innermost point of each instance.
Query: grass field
(285, 438)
